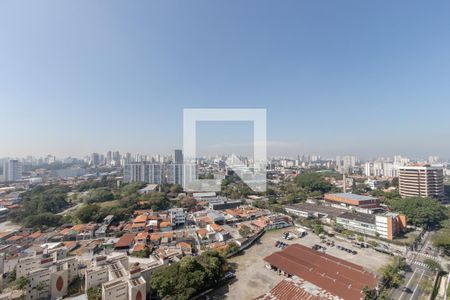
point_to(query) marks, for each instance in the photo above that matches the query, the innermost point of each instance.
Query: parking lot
(253, 279)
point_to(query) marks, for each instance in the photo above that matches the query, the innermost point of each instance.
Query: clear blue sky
(336, 77)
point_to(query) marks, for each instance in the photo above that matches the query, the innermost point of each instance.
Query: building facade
(159, 173)
(386, 226)
(12, 170)
(421, 181)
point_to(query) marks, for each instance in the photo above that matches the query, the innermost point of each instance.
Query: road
(418, 274)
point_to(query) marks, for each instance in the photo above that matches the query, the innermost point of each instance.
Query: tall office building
(421, 181)
(178, 156)
(12, 170)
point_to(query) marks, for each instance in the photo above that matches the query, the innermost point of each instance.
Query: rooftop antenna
(344, 182)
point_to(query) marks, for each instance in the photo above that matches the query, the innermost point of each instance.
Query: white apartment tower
(12, 170)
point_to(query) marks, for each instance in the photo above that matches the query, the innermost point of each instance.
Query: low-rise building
(308, 210)
(359, 203)
(386, 226)
(275, 221)
(331, 276)
(49, 273)
(224, 204)
(177, 216)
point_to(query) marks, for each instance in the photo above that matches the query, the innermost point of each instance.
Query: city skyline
(333, 78)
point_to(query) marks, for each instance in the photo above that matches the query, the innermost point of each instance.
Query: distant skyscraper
(421, 181)
(345, 164)
(94, 159)
(12, 170)
(108, 157)
(178, 156)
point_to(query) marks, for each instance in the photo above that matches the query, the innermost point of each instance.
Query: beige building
(118, 278)
(49, 272)
(421, 181)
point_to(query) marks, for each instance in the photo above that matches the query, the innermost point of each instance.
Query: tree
(318, 229)
(11, 277)
(99, 195)
(441, 239)
(313, 182)
(41, 200)
(156, 201)
(188, 202)
(145, 253)
(131, 188)
(391, 272)
(21, 283)
(245, 231)
(88, 213)
(395, 182)
(42, 219)
(189, 276)
(425, 212)
(369, 293)
(94, 293)
(176, 188)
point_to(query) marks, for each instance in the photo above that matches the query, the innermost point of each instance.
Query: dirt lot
(253, 279)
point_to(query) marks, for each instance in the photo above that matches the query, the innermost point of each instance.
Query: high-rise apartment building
(12, 170)
(345, 164)
(178, 159)
(380, 168)
(421, 181)
(157, 173)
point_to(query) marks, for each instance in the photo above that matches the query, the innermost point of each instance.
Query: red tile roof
(165, 224)
(337, 276)
(126, 240)
(139, 247)
(14, 238)
(216, 228)
(35, 235)
(142, 235)
(140, 219)
(288, 290)
(155, 236)
(202, 232)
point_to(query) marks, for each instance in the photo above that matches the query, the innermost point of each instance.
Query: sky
(369, 78)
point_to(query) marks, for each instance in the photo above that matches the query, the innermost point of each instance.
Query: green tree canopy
(101, 194)
(156, 201)
(188, 277)
(88, 213)
(420, 211)
(39, 203)
(441, 239)
(313, 182)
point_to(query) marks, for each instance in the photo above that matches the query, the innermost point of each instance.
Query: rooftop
(126, 240)
(288, 289)
(360, 217)
(315, 208)
(332, 274)
(354, 196)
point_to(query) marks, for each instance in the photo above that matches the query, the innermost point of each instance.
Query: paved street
(419, 275)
